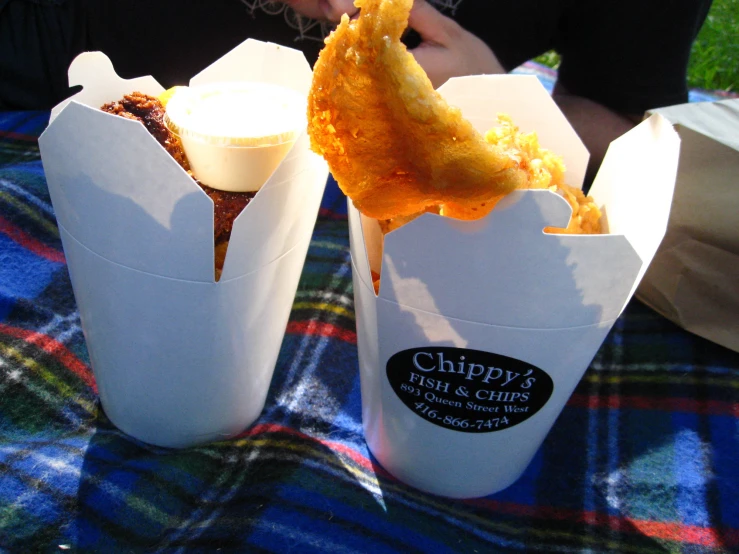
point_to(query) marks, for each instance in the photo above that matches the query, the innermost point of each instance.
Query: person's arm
(596, 125)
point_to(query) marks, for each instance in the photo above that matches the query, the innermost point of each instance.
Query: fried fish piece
(544, 170)
(398, 150)
(394, 145)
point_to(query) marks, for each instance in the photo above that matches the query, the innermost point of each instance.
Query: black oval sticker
(468, 390)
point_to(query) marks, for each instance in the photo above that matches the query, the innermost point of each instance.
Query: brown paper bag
(694, 277)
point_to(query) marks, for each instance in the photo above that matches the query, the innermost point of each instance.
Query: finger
(429, 22)
(431, 59)
(334, 9)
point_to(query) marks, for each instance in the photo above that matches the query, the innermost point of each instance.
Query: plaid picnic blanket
(643, 459)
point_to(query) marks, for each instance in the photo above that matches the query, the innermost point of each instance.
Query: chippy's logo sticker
(468, 390)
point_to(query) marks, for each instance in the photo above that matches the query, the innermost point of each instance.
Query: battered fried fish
(394, 145)
(398, 150)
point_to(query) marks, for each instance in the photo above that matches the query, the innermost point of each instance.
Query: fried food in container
(150, 111)
(396, 147)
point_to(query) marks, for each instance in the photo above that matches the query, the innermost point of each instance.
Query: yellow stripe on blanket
(324, 307)
(23, 208)
(9, 352)
(664, 379)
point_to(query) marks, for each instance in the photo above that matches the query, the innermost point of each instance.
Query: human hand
(446, 49)
(330, 10)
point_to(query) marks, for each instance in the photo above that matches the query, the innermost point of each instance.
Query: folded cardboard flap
(693, 278)
(121, 195)
(253, 60)
(108, 173)
(504, 270)
(635, 185)
(100, 83)
(274, 221)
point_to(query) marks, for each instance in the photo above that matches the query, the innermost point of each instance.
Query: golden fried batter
(394, 145)
(544, 170)
(398, 150)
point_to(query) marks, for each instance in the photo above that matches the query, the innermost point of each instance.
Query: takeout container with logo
(179, 358)
(482, 329)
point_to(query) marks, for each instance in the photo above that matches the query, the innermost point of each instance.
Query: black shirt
(629, 55)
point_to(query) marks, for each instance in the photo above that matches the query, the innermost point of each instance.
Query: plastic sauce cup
(236, 134)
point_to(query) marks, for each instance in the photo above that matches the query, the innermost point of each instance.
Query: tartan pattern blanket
(642, 459)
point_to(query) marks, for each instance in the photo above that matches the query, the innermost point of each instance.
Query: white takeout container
(481, 330)
(179, 359)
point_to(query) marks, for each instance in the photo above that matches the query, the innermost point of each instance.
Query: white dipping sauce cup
(236, 134)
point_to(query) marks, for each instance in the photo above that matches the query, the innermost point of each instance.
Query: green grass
(714, 60)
